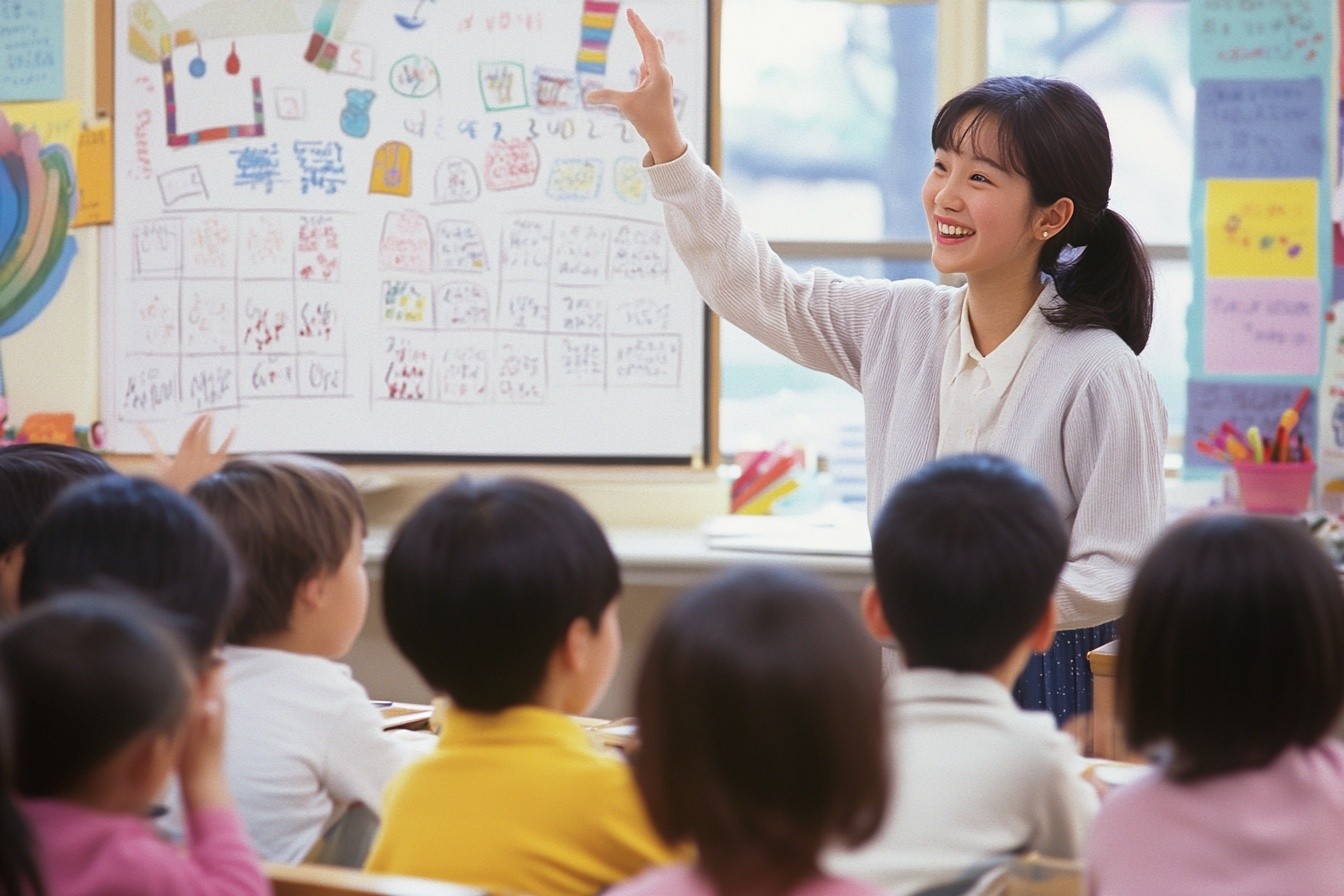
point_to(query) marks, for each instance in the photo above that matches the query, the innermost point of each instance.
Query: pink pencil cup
(1275, 488)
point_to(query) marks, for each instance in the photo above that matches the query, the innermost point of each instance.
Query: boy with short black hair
(304, 743)
(502, 594)
(966, 555)
(32, 474)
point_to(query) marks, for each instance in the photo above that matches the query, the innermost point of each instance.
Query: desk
(656, 565)
(1107, 741)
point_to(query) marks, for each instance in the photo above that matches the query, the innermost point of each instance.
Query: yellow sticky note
(1261, 228)
(93, 176)
(57, 121)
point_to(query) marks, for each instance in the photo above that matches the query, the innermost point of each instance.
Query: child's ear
(312, 593)
(874, 618)
(1054, 217)
(1043, 634)
(573, 649)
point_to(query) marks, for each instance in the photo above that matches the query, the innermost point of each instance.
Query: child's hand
(649, 106)
(194, 459)
(201, 765)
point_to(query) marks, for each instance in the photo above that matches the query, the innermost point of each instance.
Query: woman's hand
(649, 106)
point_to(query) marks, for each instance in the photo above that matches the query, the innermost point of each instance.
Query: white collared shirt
(973, 385)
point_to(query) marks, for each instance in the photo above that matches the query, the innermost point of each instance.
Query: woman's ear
(1054, 218)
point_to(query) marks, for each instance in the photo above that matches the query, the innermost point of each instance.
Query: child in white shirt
(966, 555)
(304, 743)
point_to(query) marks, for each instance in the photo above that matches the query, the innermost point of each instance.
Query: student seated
(1231, 674)
(304, 742)
(106, 708)
(143, 535)
(761, 737)
(31, 476)
(502, 594)
(966, 555)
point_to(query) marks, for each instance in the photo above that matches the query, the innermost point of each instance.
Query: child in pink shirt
(1231, 671)
(105, 708)
(761, 738)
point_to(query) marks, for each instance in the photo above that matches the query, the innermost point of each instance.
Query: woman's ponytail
(1107, 283)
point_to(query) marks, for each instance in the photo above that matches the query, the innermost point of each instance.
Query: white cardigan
(1083, 413)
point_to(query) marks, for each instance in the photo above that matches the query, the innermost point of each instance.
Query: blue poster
(32, 50)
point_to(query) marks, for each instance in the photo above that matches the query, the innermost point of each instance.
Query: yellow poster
(55, 122)
(93, 176)
(1261, 228)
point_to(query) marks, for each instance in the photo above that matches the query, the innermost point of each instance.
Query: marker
(1235, 450)
(1301, 404)
(1257, 444)
(1205, 448)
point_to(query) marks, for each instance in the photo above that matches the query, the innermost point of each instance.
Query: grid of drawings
(227, 308)
(569, 302)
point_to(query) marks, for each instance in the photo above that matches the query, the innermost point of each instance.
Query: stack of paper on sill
(837, 530)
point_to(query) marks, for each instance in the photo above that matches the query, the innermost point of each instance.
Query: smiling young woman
(1035, 358)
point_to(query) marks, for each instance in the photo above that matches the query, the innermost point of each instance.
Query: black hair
(88, 673)
(483, 581)
(140, 534)
(1053, 134)
(1231, 646)
(32, 474)
(19, 871)
(966, 555)
(762, 733)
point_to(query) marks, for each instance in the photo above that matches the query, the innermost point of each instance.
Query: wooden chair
(327, 880)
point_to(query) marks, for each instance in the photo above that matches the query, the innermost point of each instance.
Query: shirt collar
(530, 724)
(930, 684)
(1002, 364)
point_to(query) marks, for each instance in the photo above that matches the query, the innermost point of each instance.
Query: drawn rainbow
(599, 18)
(37, 202)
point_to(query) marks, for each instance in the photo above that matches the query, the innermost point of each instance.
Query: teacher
(1035, 358)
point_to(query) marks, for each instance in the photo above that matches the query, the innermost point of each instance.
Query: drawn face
(979, 212)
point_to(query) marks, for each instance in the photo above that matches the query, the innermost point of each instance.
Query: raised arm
(649, 106)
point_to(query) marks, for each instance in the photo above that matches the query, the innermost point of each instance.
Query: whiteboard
(394, 227)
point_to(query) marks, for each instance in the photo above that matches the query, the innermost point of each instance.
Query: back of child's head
(761, 727)
(966, 555)
(484, 580)
(290, 518)
(142, 535)
(87, 674)
(19, 872)
(32, 474)
(1231, 646)
(1053, 134)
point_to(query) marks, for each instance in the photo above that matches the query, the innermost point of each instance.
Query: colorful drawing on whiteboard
(391, 173)
(415, 19)
(456, 180)
(510, 164)
(503, 85)
(330, 24)
(574, 179)
(414, 76)
(629, 180)
(355, 116)
(599, 18)
(553, 90)
(37, 198)
(406, 243)
(257, 128)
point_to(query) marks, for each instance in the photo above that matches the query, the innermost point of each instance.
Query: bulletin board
(383, 227)
(1260, 221)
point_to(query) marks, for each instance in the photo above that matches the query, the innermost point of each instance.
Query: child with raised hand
(502, 594)
(966, 556)
(1231, 674)
(146, 537)
(761, 737)
(106, 708)
(1035, 358)
(305, 744)
(32, 474)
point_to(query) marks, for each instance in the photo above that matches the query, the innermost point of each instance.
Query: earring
(1045, 234)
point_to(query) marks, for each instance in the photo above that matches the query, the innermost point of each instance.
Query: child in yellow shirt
(502, 594)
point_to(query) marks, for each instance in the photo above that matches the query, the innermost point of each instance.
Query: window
(826, 109)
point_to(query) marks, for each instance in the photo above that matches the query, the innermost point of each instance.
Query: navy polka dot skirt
(1060, 680)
